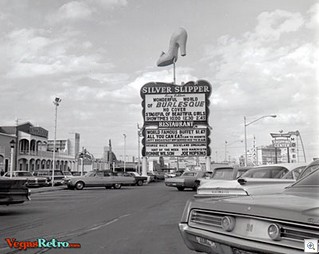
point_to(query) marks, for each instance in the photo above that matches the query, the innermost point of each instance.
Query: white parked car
(222, 173)
(264, 179)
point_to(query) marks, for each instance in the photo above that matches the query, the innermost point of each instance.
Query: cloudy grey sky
(259, 56)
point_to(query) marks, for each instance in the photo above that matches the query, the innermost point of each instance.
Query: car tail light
(228, 223)
(274, 232)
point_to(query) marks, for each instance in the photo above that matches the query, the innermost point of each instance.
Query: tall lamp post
(12, 143)
(56, 102)
(245, 126)
(124, 135)
(139, 134)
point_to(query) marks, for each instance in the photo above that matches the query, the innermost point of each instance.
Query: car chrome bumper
(209, 242)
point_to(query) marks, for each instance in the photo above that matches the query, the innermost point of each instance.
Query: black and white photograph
(162, 127)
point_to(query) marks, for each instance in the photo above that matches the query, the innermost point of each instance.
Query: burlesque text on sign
(177, 107)
(176, 119)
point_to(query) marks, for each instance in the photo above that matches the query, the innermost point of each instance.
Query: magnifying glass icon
(311, 246)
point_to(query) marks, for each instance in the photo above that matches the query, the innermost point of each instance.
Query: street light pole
(245, 126)
(138, 149)
(124, 135)
(12, 143)
(56, 102)
(225, 150)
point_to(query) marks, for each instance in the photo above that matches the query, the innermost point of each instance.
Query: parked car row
(268, 209)
(256, 180)
(193, 179)
(109, 179)
(15, 190)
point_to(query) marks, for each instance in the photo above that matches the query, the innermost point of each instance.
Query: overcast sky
(259, 56)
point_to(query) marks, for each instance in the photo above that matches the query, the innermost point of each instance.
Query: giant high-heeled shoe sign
(178, 40)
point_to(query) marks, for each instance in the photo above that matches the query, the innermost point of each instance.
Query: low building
(268, 155)
(33, 151)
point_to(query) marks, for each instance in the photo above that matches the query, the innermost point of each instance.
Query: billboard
(176, 119)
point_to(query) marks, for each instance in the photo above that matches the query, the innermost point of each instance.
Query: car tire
(79, 185)
(139, 183)
(180, 188)
(117, 186)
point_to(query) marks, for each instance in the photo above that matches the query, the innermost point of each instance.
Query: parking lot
(133, 219)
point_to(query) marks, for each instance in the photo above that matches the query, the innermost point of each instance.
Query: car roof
(289, 166)
(314, 162)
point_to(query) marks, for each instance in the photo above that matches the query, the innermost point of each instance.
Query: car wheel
(180, 188)
(79, 185)
(139, 183)
(117, 186)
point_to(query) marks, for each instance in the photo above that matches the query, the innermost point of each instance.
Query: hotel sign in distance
(176, 119)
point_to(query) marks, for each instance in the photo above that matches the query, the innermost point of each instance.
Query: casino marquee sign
(176, 119)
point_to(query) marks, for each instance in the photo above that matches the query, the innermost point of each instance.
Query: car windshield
(223, 173)
(190, 174)
(241, 171)
(309, 169)
(265, 172)
(23, 174)
(294, 174)
(311, 180)
(92, 173)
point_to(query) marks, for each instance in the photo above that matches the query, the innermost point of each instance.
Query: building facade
(268, 155)
(33, 151)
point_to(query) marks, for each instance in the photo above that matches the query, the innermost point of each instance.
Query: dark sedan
(13, 191)
(32, 181)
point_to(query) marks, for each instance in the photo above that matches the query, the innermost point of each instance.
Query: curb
(47, 189)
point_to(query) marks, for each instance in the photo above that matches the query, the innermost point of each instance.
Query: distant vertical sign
(176, 119)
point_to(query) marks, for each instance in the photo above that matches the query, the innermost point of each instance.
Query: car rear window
(266, 172)
(224, 173)
(24, 174)
(189, 174)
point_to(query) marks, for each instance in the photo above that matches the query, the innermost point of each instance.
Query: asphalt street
(129, 220)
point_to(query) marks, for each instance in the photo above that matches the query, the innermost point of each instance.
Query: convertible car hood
(288, 206)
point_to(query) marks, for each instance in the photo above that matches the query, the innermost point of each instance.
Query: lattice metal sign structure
(176, 119)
